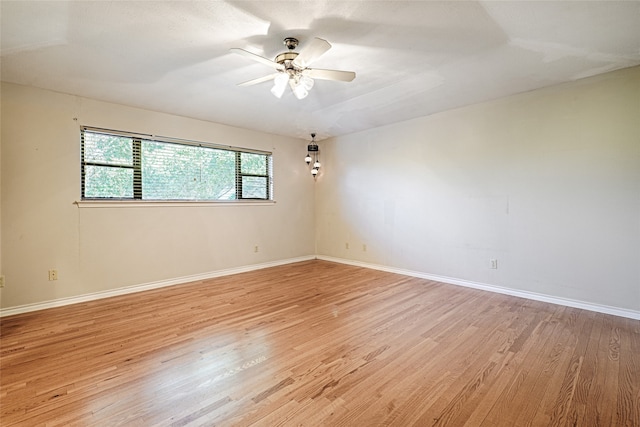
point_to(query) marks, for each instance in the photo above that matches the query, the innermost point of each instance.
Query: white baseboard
(631, 314)
(146, 286)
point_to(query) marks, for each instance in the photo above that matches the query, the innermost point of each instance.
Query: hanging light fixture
(313, 148)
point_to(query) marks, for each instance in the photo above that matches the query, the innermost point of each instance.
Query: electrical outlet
(364, 247)
(255, 249)
(346, 245)
(494, 264)
(53, 274)
(1, 281)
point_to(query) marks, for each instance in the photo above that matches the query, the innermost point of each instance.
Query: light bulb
(314, 171)
(307, 159)
(316, 165)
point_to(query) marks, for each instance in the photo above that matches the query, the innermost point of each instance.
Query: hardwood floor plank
(628, 396)
(318, 343)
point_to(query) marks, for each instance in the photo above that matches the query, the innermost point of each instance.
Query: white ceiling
(412, 58)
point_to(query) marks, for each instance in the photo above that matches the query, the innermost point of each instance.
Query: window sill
(168, 203)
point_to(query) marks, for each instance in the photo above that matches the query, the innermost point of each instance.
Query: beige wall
(547, 183)
(98, 249)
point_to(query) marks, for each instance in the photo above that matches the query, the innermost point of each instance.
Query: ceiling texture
(411, 58)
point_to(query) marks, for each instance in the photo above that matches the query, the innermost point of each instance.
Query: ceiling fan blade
(343, 76)
(311, 52)
(257, 58)
(259, 80)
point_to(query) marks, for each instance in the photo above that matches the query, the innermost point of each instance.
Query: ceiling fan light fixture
(300, 85)
(307, 82)
(299, 91)
(277, 91)
(279, 85)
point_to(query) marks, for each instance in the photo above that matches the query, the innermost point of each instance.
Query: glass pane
(169, 171)
(254, 187)
(182, 172)
(107, 182)
(109, 149)
(253, 164)
(219, 174)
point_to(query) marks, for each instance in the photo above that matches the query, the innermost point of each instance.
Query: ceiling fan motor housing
(291, 43)
(286, 58)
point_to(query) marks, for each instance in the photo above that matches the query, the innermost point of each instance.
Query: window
(119, 166)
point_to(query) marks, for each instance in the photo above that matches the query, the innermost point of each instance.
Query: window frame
(136, 167)
(240, 175)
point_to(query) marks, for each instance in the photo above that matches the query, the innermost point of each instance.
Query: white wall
(98, 249)
(547, 183)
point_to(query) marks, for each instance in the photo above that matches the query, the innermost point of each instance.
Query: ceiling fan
(293, 68)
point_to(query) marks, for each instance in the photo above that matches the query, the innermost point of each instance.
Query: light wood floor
(319, 343)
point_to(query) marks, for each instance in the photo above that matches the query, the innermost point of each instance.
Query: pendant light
(312, 149)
